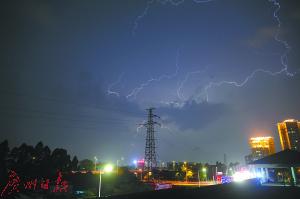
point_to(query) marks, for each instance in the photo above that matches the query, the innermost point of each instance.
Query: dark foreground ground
(245, 190)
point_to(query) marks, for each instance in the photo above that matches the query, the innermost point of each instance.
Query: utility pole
(150, 154)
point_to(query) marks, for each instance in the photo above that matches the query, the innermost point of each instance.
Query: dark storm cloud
(195, 115)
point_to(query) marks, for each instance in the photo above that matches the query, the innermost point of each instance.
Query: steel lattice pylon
(150, 154)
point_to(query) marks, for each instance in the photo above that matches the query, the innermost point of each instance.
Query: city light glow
(261, 142)
(108, 168)
(290, 120)
(241, 176)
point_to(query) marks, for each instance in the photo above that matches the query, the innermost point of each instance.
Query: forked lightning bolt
(140, 17)
(110, 87)
(240, 84)
(150, 2)
(283, 56)
(136, 90)
(283, 59)
(181, 85)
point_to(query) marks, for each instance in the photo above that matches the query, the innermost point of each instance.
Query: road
(184, 183)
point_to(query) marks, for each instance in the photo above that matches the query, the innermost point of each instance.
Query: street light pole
(117, 167)
(198, 178)
(122, 158)
(99, 193)
(95, 163)
(107, 169)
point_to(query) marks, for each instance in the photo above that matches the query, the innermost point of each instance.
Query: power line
(57, 115)
(26, 116)
(61, 101)
(48, 121)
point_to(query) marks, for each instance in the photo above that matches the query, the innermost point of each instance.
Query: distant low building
(173, 166)
(289, 133)
(248, 159)
(260, 147)
(280, 168)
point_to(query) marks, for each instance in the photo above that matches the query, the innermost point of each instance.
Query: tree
(4, 149)
(22, 160)
(34, 162)
(87, 165)
(45, 166)
(187, 171)
(60, 160)
(74, 163)
(39, 152)
(42, 160)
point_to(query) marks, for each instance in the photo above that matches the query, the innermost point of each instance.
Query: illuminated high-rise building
(289, 133)
(260, 147)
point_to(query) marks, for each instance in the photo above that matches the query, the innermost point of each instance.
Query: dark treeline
(34, 161)
(39, 162)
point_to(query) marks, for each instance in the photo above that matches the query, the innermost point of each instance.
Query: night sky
(80, 74)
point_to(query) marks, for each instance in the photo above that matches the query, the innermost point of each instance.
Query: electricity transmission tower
(150, 154)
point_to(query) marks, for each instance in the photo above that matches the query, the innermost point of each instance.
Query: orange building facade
(260, 147)
(289, 133)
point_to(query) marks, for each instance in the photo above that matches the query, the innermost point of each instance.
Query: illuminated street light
(135, 163)
(204, 171)
(107, 168)
(241, 176)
